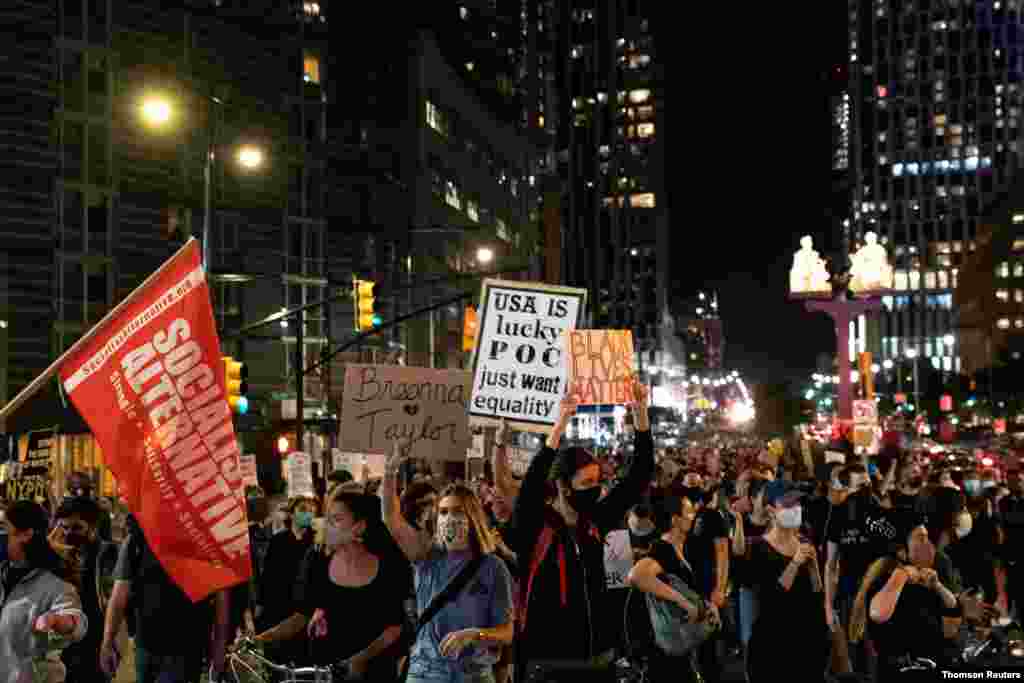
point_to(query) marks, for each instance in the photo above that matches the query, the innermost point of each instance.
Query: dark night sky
(748, 169)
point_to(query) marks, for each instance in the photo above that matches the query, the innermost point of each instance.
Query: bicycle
(247, 664)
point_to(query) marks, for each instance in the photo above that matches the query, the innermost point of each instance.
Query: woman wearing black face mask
(560, 547)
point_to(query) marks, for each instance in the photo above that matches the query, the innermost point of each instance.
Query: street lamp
(250, 157)
(156, 111)
(484, 255)
(912, 355)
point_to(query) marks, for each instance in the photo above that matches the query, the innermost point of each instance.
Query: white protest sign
(300, 475)
(519, 460)
(518, 370)
(618, 558)
(476, 450)
(247, 464)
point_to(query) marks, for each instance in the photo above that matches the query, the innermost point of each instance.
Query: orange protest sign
(600, 366)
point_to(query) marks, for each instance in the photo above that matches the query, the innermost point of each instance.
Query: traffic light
(236, 385)
(366, 318)
(469, 327)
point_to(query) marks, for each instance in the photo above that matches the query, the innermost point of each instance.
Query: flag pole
(37, 384)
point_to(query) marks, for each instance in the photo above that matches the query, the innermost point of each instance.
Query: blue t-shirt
(485, 602)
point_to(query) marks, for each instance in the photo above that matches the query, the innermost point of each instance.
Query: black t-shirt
(160, 606)
(915, 627)
(666, 556)
(355, 616)
(850, 528)
(700, 548)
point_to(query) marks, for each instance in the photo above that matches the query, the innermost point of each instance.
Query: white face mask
(453, 531)
(964, 527)
(789, 518)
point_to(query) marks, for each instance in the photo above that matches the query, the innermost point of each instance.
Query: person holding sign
(463, 589)
(561, 546)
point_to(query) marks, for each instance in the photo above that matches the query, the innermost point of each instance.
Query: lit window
(929, 279)
(1003, 294)
(1018, 218)
(435, 118)
(645, 130)
(639, 96)
(312, 9)
(900, 280)
(1003, 324)
(1019, 323)
(463, 13)
(1018, 269)
(500, 229)
(472, 211)
(643, 200)
(1018, 295)
(451, 195)
(639, 61)
(311, 69)
(1003, 269)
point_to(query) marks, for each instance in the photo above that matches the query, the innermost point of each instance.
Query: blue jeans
(749, 607)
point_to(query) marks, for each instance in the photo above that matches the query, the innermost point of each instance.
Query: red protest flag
(149, 381)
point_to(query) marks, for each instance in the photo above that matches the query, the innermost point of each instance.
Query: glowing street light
(156, 110)
(250, 157)
(484, 255)
(887, 364)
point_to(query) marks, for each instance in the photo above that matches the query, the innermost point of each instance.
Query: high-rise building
(700, 326)
(448, 95)
(611, 151)
(936, 93)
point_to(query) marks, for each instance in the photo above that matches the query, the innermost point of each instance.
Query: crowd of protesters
(854, 567)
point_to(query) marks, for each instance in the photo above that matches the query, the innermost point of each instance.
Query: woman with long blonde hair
(462, 641)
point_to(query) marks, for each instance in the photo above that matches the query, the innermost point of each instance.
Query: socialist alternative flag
(150, 383)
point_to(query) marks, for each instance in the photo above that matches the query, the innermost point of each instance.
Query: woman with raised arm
(560, 547)
(461, 639)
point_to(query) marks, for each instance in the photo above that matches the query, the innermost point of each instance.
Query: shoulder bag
(438, 603)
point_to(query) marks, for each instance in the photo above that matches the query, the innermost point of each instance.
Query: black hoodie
(565, 596)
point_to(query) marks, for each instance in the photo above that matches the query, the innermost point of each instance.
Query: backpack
(674, 634)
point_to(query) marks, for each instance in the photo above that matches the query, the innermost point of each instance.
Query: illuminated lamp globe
(282, 445)
(484, 254)
(156, 111)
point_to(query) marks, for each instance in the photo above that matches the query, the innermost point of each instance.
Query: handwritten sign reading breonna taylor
(600, 366)
(518, 371)
(387, 403)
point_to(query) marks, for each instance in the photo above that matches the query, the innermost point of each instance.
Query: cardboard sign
(519, 373)
(32, 477)
(600, 365)
(300, 475)
(384, 404)
(618, 558)
(247, 464)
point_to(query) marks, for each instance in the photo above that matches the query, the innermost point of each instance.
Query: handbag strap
(453, 588)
